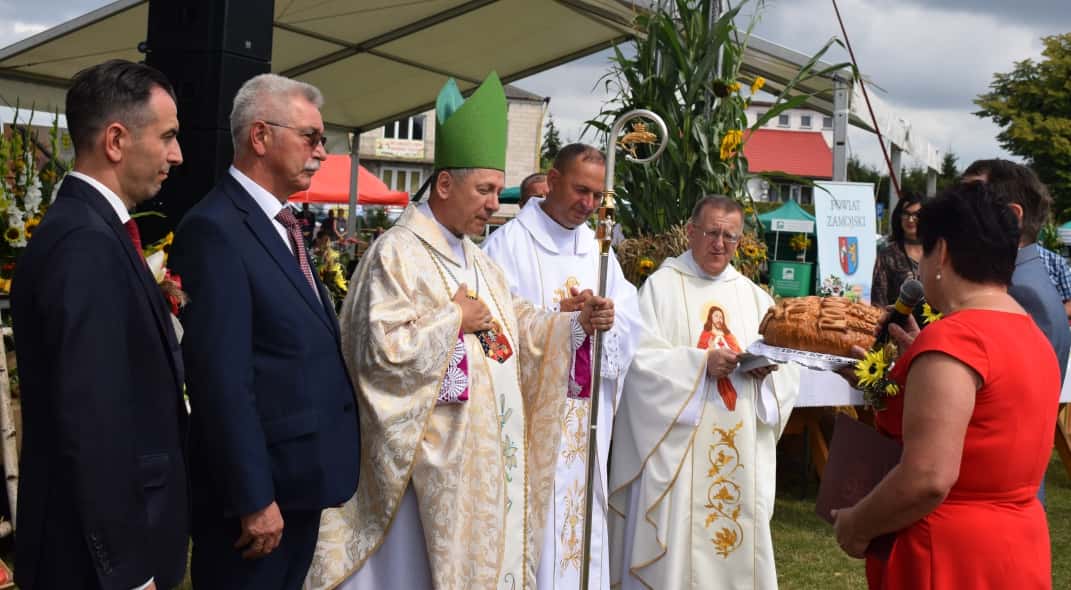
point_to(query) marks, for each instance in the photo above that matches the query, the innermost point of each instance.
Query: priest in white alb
(694, 459)
(460, 386)
(551, 258)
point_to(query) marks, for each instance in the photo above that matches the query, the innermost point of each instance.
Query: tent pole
(355, 166)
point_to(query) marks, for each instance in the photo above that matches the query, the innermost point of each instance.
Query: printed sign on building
(399, 148)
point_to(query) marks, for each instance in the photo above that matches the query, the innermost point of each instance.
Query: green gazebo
(789, 278)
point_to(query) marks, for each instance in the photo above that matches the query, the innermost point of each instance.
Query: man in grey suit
(1030, 284)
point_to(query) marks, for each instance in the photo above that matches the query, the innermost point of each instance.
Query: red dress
(990, 532)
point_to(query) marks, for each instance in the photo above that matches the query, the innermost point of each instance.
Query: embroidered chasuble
(543, 261)
(459, 432)
(692, 481)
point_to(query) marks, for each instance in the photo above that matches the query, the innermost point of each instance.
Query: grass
(808, 557)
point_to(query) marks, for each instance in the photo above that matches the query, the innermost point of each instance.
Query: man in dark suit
(1030, 284)
(102, 494)
(274, 435)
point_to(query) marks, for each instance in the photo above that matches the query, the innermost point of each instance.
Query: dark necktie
(293, 229)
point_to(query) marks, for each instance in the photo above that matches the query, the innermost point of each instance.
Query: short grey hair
(719, 202)
(264, 97)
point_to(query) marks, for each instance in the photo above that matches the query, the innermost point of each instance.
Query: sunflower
(734, 87)
(645, 265)
(799, 242)
(13, 234)
(929, 314)
(757, 84)
(31, 225)
(871, 369)
(730, 142)
(163, 243)
(891, 389)
(719, 88)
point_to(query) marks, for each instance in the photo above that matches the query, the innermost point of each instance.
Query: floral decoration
(873, 373)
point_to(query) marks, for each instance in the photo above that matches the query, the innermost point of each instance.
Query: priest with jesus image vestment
(692, 474)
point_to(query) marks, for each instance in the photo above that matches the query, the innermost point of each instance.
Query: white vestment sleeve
(766, 405)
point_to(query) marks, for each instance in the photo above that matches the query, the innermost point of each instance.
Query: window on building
(827, 122)
(782, 193)
(805, 121)
(760, 116)
(399, 178)
(408, 128)
(782, 120)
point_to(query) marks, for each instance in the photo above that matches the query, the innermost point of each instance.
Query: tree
(1032, 105)
(552, 142)
(859, 171)
(912, 180)
(949, 170)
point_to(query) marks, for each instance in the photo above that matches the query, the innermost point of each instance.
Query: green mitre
(471, 133)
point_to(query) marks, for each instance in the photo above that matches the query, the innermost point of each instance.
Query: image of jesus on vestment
(716, 334)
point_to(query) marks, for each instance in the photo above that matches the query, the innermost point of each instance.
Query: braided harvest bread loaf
(828, 325)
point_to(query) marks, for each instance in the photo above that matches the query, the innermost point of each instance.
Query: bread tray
(811, 360)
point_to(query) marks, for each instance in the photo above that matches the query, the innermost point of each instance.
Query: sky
(930, 58)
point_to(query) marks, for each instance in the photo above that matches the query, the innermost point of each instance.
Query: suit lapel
(262, 228)
(96, 202)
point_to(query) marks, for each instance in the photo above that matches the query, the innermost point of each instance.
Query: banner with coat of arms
(847, 235)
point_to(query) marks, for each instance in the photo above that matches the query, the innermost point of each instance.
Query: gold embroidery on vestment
(724, 494)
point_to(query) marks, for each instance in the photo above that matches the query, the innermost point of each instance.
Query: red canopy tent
(332, 185)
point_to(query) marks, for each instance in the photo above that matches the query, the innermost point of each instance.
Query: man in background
(1030, 284)
(307, 219)
(533, 185)
(1059, 274)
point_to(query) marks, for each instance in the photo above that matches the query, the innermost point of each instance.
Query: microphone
(911, 294)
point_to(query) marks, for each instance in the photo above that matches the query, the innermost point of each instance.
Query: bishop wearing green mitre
(460, 386)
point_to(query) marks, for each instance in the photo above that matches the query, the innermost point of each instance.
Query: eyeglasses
(715, 234)
(911, 216)
(312, 137)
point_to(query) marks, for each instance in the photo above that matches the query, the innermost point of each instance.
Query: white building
(797, 142)
(402, 153)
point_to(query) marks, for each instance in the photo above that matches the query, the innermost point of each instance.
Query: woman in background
(899, 260)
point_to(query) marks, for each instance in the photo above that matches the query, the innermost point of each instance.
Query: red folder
(859, 458)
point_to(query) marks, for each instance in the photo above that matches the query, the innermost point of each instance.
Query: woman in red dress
(980, 390)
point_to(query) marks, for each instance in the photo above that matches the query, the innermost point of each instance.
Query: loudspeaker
(205, 84)
(207, 49)
(239, 27)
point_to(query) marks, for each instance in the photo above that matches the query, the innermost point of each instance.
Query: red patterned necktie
(293, 228)
(135, 235)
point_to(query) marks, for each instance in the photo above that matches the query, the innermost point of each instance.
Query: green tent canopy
(510, 195)
(1064, 232)
(790, 215)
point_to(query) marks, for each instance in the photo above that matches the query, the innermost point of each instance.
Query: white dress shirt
(109, 196)
(266, 201)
